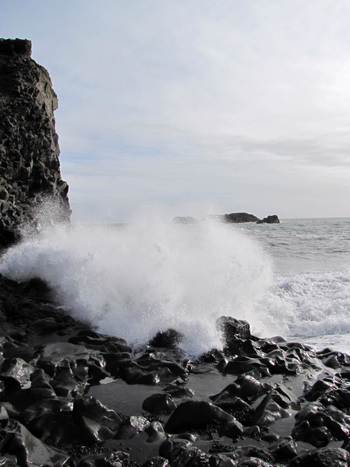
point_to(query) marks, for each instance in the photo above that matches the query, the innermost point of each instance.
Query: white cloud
(240, 104)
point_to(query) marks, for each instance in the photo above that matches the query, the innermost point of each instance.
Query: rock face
(29, 151)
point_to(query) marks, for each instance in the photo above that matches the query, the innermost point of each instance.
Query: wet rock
(249, 452)
(6, 462)
(110, 459)
(134, 374)
(15, 371)
(284, 450)
(232, 429)
(241, 365)
(232, 328)
(156, 462)
(333, 359)
(48, 406)
(275, 405)
(116, 362)
(178, 392)
(245, 387)
(97, 422)
(132, 427)
(159, 403)
(168, 339)
(268, 411)
(59, 429)
(106, 344)
(193, 414)
(237, 407)
(167, 368)
(325, 457)
(318, 425)
(61, 360)
(18, 443)
(331, 390)
(155, 432)
(183, 453)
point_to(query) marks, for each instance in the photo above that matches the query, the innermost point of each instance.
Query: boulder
(193, 414)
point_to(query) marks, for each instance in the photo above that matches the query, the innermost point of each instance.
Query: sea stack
(29, 150)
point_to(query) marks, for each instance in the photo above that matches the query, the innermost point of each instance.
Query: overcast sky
(197, 106)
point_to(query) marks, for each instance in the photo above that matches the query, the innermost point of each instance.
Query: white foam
(311, 304)
(149, 276)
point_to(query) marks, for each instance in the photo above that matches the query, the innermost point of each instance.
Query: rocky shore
(71, 396)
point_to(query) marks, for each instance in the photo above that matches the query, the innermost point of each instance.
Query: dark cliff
(29, 150)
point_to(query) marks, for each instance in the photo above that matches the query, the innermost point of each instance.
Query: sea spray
(310, 304)
(135, 280)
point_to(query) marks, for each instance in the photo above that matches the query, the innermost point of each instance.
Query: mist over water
(135, 280)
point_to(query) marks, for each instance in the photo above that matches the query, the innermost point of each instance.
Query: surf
(134, 280)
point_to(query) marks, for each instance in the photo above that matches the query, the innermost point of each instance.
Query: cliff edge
(29, 150)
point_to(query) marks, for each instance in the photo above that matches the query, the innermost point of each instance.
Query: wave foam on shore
(133, 281)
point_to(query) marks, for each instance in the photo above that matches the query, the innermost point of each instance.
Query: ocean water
(290, 279)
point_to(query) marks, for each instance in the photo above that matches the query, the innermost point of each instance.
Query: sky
(196, 107)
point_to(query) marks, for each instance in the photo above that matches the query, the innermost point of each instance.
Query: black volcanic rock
(269, 220)
(29, 151)
(239, 217)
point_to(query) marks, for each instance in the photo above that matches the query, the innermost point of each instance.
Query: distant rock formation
(269, 220)
(29, 151)
(233, 218)
(239, 217)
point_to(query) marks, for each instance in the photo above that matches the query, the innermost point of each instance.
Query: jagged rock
(318, 425)
(285, 449)
(166, 339)
(268, 411)
(232, 328)
(29, 151)
(18, 443)
(325, 457)
(100, 422)
(15, 371)
(64, 360)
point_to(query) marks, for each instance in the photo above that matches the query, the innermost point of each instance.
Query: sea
(132, 280)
